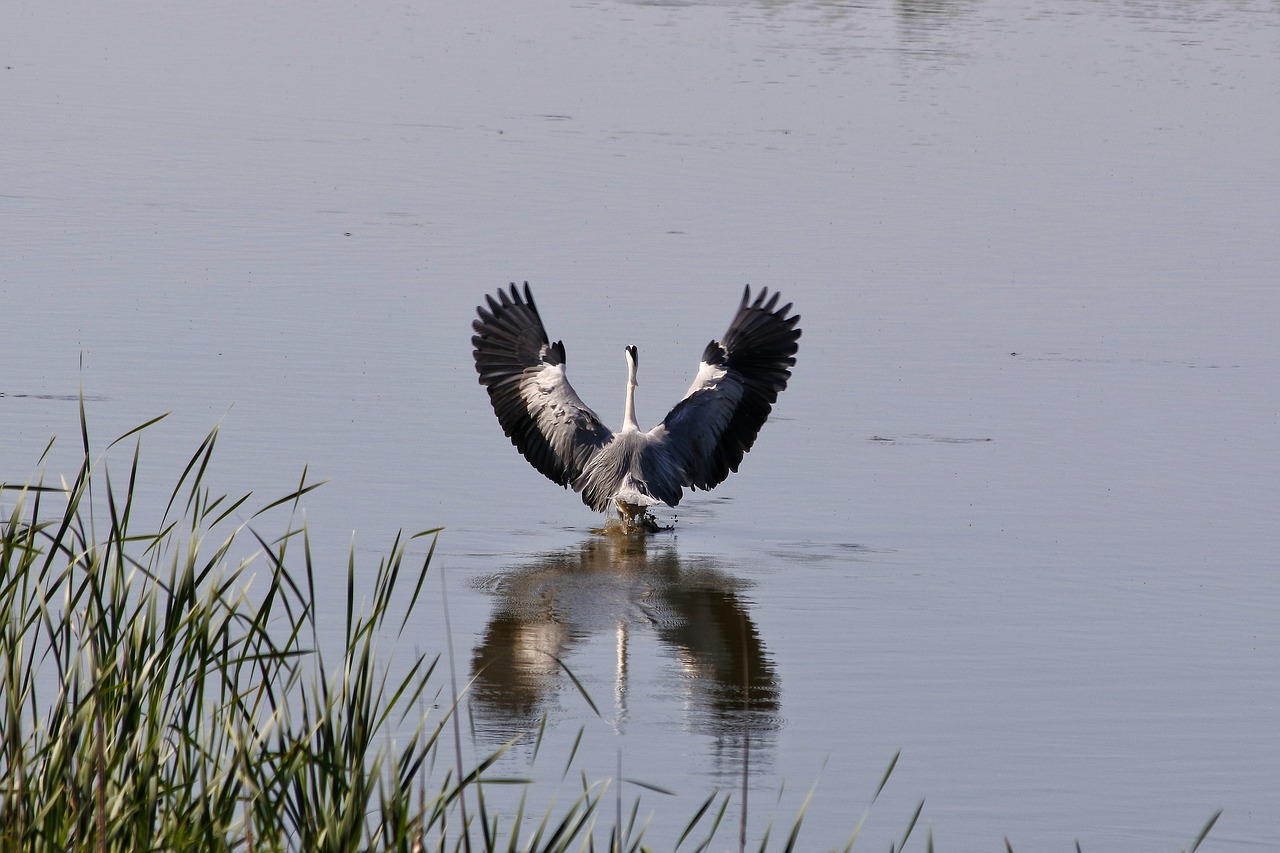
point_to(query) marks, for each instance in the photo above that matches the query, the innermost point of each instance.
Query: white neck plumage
(629, 413)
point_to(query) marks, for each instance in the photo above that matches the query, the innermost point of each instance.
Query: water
(1014, 515)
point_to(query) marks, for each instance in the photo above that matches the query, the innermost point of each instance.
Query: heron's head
(633, 362)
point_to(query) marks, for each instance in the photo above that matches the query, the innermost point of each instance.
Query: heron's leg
(629, 514)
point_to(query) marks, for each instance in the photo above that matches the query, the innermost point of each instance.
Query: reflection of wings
(515, 666)
(720, 646)
(608, 587)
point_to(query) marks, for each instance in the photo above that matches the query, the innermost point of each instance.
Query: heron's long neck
(629, 412)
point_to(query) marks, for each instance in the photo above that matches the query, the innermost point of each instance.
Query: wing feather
(738, 381)
(524, 374)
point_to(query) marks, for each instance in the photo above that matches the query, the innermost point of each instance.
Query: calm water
(1015, 515)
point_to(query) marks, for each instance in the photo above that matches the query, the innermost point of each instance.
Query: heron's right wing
(524, 375)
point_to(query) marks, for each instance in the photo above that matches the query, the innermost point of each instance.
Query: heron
(700, 441)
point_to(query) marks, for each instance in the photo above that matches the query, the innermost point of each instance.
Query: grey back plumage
(701, 440)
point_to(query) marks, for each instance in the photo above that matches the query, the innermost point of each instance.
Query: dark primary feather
(698, 444)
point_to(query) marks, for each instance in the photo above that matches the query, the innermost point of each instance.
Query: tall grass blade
(884, 780)
(139, 428)
(457, 729)
(649, 786)
(577, 684)
(573, 751)
(434, 533)
(617, 802)
(537, 741)
(911, 826)
(715, 825)
(746, 735)
(795, 827)
(1204, 833)
(697, 816)
(294, 496)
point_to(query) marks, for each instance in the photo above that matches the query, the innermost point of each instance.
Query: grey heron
(700, 441)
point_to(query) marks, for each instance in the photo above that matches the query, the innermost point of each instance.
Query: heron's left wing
(738, 381)
(525, 376)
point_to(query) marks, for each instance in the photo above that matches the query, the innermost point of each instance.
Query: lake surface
(1015, 515)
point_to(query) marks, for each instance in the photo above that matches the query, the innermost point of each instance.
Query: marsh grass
(165, 687)
(160, 692)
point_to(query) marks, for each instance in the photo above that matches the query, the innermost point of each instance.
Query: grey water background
(1015, 516)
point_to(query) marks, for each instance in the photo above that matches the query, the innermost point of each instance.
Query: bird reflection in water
(613, 586)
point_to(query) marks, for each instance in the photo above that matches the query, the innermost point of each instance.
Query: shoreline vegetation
(165, 688)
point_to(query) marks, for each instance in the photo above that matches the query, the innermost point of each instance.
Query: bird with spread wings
(700, 441)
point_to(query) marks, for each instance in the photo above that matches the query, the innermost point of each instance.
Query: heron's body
(701, 440)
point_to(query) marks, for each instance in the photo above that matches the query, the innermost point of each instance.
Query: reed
(163, 690)
(164, 686)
